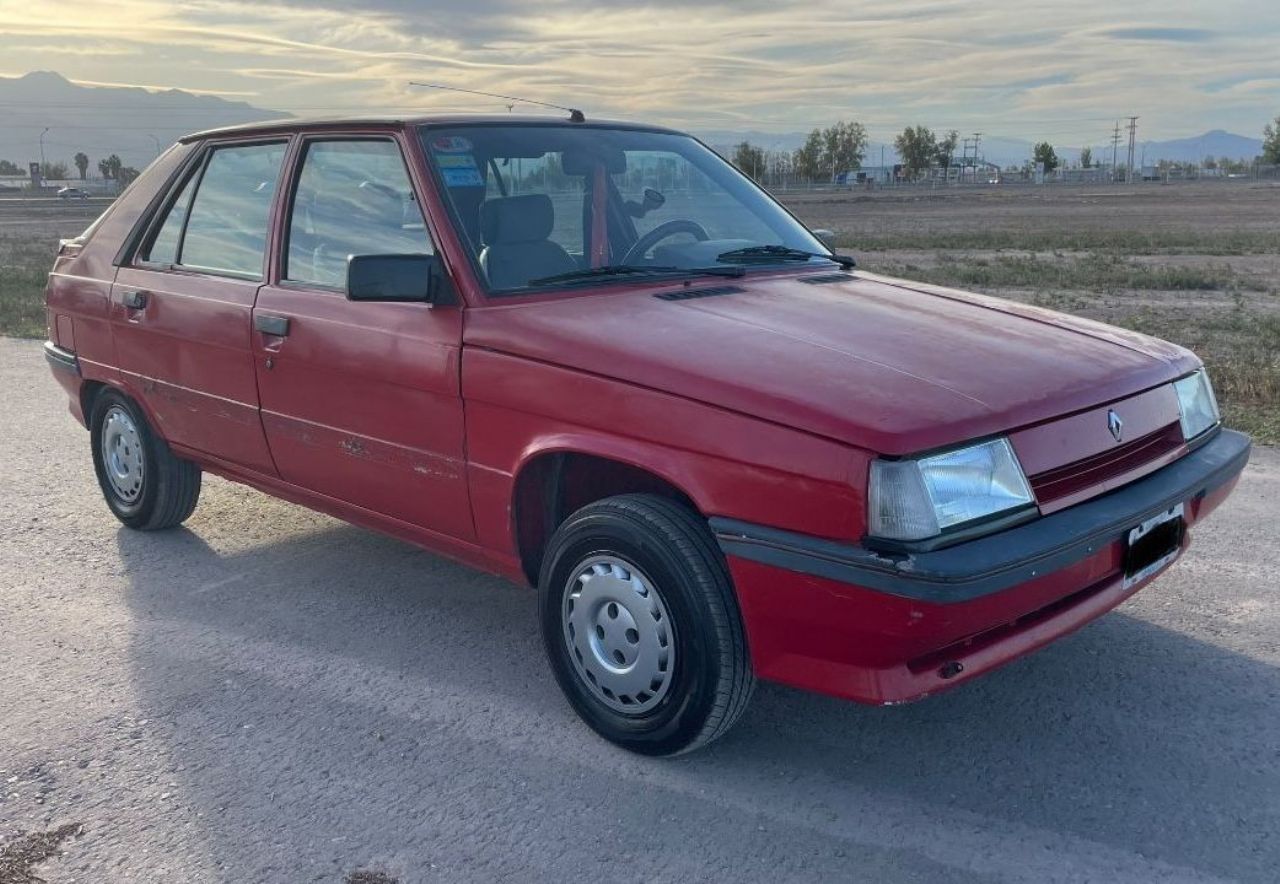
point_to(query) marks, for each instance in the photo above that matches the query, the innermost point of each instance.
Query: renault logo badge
(1115, 425)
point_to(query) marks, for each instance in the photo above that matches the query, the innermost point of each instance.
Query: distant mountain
(1015, 151)
(102, 120)
(1216, 143)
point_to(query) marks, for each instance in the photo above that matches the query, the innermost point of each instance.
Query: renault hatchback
(595, 358)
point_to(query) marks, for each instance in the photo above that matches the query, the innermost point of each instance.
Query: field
(1196, 263)
(29, 234)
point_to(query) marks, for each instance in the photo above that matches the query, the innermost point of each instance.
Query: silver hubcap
(122, 454)
(619, 634)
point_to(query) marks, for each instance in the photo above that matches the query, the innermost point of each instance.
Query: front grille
(1095, 472)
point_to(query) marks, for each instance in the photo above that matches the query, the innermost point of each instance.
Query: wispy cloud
(767, 64)
(1168, 35)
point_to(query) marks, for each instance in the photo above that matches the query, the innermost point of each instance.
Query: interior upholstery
(515, 231)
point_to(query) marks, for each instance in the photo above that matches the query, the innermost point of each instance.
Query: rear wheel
(642, 627)
(146, 486)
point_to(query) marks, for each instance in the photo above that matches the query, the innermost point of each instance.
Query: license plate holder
(1155, 543)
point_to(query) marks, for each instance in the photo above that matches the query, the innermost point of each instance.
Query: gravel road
(271, 695)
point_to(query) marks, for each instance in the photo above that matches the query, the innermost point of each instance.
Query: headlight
(921, 498)
(1196, 402)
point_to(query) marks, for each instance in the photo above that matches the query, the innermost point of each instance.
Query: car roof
(304, 124)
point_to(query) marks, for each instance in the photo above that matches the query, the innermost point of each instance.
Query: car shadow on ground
(359, 699)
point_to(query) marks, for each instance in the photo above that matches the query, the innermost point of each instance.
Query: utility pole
(965, 160)
(1133, 134)
(42, 134)
(1115, 143)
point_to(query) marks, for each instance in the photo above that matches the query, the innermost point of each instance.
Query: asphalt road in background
(271, 695)
(27, 213)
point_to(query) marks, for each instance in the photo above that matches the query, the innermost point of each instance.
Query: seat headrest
(516, 219)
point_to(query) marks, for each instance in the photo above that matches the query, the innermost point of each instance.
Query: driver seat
(516, 233)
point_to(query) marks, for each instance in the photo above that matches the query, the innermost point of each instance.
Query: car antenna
(574, 114)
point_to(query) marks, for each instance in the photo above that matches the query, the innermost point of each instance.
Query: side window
(226, 228)
(352, 198)
(164, 247)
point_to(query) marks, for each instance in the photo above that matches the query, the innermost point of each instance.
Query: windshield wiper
(782, 253)
(613, 271)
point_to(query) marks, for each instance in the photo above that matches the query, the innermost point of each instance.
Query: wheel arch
(91, 389)
(553, 483)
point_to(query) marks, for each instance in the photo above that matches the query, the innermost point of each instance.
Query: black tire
(169, 487)
(711, 679)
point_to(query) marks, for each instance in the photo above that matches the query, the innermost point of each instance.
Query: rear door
(181, 308)
(360, 401)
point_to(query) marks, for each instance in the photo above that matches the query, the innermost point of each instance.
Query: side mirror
(653, 199)
(828, 237)
(394, 278)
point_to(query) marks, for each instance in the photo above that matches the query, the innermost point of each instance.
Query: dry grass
(1088, 272)
(1104, 240)
(24, 265)
(1242, 352)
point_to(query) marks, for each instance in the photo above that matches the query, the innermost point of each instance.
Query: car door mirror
(828, 237)
(394, 278)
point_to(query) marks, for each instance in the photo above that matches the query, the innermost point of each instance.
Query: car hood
(886, 364)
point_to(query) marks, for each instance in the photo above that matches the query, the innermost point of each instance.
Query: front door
(181, 308)
(360, 401)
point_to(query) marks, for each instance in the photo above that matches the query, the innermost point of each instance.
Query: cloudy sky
(1031, 69)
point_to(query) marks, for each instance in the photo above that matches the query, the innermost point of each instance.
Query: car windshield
(549, 205)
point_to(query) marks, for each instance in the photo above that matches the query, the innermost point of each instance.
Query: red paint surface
(766, 406)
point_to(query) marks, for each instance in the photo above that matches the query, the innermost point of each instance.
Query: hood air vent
(690, 294)
(825, 278)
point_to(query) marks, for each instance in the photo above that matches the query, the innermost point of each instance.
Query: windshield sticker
(451, 144)
(462, 177)
(456, 161)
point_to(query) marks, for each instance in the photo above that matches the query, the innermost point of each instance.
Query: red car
(596, 358)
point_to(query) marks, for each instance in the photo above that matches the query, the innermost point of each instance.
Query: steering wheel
(663, 231)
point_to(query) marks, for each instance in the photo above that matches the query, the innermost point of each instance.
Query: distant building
(870, 175)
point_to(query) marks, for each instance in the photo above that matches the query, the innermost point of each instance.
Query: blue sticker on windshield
(462, 177)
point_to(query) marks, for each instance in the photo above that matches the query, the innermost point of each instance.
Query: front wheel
(145, 484)
(642, 627)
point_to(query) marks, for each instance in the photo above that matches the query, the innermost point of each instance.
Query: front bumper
(849, 621)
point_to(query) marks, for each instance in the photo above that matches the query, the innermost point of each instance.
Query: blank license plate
(1153, 544)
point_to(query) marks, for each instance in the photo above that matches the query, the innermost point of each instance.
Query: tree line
(841, 147)
(825, 154)
(111, 168)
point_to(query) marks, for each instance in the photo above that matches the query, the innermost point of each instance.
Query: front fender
(727, 463)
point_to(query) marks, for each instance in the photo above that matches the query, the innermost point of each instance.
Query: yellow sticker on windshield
(456, 161)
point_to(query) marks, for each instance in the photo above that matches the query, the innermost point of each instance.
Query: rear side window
(353, 197)
(218, 222)
(164, 248)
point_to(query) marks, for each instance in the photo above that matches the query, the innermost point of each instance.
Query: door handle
(271, 325)
(134, 300)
